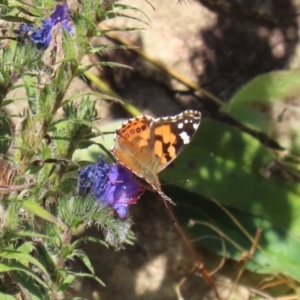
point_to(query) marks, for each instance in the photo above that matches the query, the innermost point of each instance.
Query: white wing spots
(180, 125)
(185, 137)
(186, 121)
(195, 125)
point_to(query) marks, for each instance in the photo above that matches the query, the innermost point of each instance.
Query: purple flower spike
(111, 185)
(42, 36)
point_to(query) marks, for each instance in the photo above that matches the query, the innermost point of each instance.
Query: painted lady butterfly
(146, 146)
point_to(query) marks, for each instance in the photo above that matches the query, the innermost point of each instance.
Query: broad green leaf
(270, 103)
(230, 235)
(4, 296)
(228, 165)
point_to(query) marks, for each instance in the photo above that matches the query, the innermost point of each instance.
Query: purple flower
(92, 179)
(112, 185)
(121, 190)
(41, 37)
(23, 31)
(24, 28)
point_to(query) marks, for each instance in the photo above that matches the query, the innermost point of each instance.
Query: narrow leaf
(15, 266)
(39, 211)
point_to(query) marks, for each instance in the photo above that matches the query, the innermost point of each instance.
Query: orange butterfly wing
(146, 145)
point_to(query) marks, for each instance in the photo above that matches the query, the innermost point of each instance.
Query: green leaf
(64, 123)
(93, 240)
(23, 258)
(5, 135)
(7, 102)
(15, 19)
(232, 234)
(26, 247)
(81, 71)
(6, 297)
(84, 275)
(77, 298)
(27, 234)
(66, 283)
(270, 104)
(37, 210)
(84, 258)
(16, 266)
(225, 164)
(25, 8)
(92, 153)
(100, 48)
(28, 283)
(67, 251)
(121, 7)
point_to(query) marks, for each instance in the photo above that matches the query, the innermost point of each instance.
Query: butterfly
(146, 146)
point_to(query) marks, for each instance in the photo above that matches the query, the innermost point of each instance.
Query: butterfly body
(146, 145)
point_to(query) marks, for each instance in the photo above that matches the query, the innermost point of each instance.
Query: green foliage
(257, 184)
(269, 104)
(222, 163)
(230, 232)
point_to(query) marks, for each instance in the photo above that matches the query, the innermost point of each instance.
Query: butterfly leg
(165, 198)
